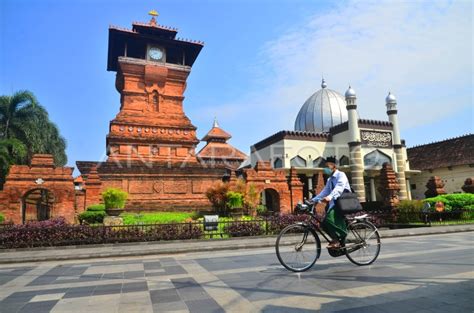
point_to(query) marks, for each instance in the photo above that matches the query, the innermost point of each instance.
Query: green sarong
(335, 225)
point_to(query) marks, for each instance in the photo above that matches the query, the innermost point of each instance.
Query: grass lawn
(156, 217)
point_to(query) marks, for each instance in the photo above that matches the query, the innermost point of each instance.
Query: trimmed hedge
(96, 207)
(2, 218)
(455, 201)
(92, 217)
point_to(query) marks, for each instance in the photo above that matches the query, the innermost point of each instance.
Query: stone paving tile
(164, 296)
(284, 309)
(133, 274)
(134, 287)
(159, 285)
(38, 307)
(178, 306)
(152, 265)
(113, 276)
(107, 289)
(189, 289)
(47, 297)
(204, 305)
(10, 274)
(78, 292)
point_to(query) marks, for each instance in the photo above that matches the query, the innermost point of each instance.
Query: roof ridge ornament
(153, 14)
(216, 124)
(350, 93)
(323, 83)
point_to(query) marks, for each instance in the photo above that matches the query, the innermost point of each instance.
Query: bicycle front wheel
(298, 247)
(362, 243)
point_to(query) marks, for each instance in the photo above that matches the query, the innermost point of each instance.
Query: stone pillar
(391, 103)
(373, 196)
(296, 188)
(93, 188)
(310, 186)
(355, 156)
(401, 171)
(408, 189)
(357, 170)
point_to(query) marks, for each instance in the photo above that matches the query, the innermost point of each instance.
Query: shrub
(96, 207)
(234, 199)
(278, 222)
(261, 209)
(2, 218)
(114, 198)
(409, 211)
(251, 199)
(92, 217)
(217, 195)
(57, 232)
(244, 228)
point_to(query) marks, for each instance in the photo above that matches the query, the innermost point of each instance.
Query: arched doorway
(37, 205)
(271, 200)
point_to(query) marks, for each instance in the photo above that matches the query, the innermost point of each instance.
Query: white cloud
(421, 51)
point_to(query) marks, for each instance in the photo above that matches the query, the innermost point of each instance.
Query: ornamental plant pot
(114, 212)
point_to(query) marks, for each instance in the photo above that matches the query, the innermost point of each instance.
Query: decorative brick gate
(38, 192)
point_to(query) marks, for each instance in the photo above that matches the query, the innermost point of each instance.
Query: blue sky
(260, 62)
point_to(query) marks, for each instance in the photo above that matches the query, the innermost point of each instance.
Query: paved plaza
(413, 274)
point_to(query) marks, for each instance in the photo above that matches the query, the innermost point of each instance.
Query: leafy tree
(25, 129)
(12, 151)
(24, 119)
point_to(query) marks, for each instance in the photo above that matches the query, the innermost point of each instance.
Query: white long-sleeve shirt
(335, 186)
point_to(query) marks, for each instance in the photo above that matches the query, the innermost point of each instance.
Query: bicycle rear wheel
(298, 247)
(362, 243)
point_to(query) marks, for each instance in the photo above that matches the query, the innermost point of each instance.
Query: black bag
(348, 203)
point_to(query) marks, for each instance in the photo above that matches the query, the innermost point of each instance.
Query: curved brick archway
(41, 174)
(271, 199)
(37, 205)
(289, 190)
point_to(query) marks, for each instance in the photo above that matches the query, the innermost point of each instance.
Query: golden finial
(153, 13)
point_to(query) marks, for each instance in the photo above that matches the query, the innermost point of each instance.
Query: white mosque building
(328, 125)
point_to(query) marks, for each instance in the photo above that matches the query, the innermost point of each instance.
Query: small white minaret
(356, 162)
(391, 103)
(351, 105)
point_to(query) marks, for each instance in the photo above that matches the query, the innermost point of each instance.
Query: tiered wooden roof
(217, 147)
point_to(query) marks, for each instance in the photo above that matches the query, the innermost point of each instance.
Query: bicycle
(298, 246)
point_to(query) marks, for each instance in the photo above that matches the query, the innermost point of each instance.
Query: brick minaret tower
(152, 66)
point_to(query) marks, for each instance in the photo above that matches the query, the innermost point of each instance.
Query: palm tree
(24, 119)
(14, 111)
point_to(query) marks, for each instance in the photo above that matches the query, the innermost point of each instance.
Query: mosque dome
(323, 110)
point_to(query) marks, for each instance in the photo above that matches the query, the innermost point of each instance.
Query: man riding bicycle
(334, 223)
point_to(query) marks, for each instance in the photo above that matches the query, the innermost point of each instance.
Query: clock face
(155, 53)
